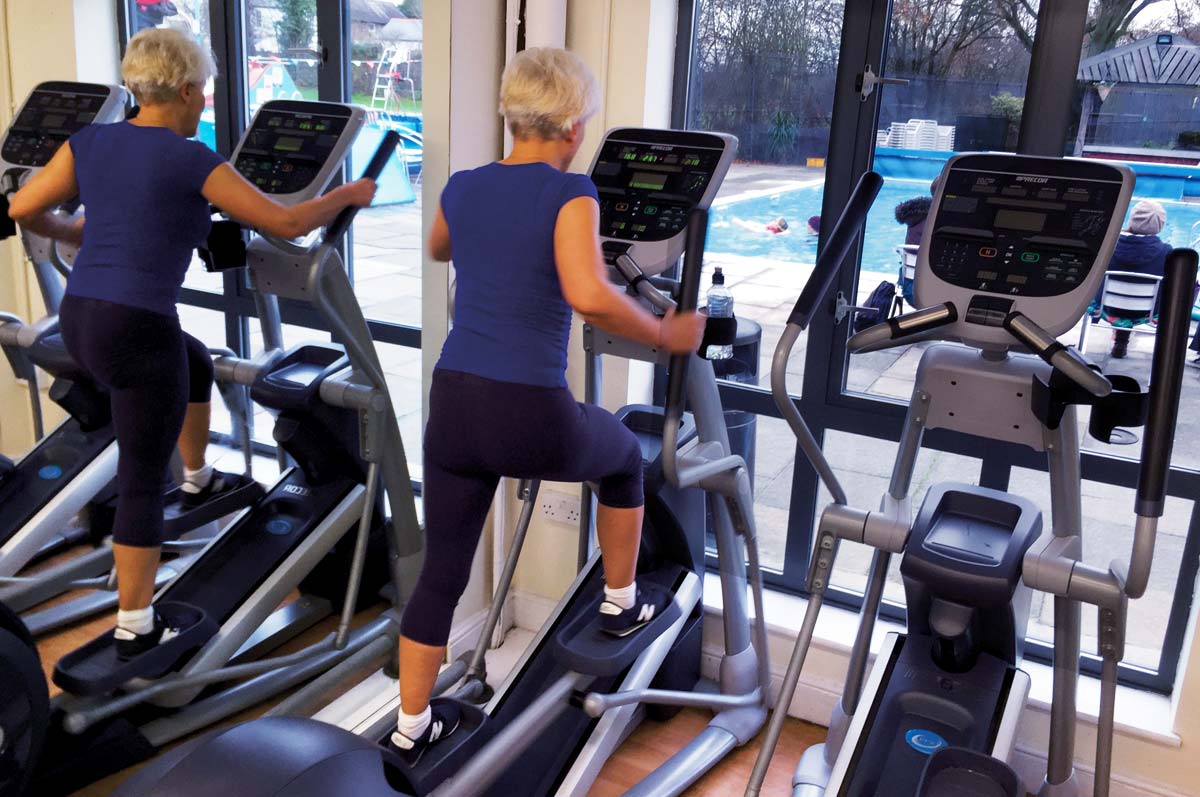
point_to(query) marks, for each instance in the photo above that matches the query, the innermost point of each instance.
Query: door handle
(868, 80)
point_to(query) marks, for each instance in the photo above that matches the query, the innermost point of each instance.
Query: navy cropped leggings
(479, 430)
(152, 370)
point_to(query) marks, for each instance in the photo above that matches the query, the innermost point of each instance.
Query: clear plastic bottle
(720, 305)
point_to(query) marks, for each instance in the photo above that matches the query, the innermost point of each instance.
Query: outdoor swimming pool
(883, 233)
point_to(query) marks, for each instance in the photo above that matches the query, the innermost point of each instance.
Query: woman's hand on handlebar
(681, 333)
(360, 192)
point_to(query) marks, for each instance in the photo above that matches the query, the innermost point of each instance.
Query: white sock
(136, 621)
(410, 726)
(625, 597)
(196, 480)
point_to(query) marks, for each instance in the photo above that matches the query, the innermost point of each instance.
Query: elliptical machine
(1014, 250)
(575, 693)
(320, 530)
(60, 493)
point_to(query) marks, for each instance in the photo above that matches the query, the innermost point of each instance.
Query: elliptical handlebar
(689, 298)
(1166, 379)
(902, 329)
(336, 229)
(1064, 359)
(837, 246)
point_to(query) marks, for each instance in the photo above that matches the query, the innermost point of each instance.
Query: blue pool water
(883, 234)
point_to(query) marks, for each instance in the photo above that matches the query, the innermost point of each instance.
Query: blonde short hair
(545, 91)
(160, 61)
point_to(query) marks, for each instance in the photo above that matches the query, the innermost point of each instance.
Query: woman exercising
(146, 189)
(523, 233)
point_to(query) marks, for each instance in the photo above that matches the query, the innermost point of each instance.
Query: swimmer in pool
(776, 227)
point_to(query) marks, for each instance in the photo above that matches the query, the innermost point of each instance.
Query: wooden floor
(648, 746)
(652, 743)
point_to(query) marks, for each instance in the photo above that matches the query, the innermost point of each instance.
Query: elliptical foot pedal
(585, 647)
(958, 772)
(445, 757)
(178, 519)
(95, 669)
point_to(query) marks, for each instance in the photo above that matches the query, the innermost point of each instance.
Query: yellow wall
(42, 40)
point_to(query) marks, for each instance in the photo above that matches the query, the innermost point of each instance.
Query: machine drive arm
(689, 297)
(824, 275)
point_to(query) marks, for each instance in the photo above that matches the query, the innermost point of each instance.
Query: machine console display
(648, 181)
(53, 113)
(1019, 233)
(291, 145)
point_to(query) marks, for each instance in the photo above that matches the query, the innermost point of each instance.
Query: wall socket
(561, 507)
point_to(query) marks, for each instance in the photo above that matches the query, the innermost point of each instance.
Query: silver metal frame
(982, 391)
(314, 272)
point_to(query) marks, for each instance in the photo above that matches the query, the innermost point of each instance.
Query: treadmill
(575, 694)
(60, 493)
(320, 530)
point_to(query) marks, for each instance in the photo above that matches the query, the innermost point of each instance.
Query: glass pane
(1107, 535)
(191, 17)
(402, 369)
(864, 467)
(385, 69)
(773, 462)
(966, 70)
(281, 51)
(766, 72)
(1142, 108)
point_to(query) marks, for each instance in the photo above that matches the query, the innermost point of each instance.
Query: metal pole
(360, 556)
(1051, 83)
(530, 489)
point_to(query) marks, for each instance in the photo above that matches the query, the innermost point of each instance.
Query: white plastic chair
(906, 274)
(1129, 292)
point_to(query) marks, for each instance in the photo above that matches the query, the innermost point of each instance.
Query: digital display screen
(1020, 220)
(54, 119)
(648, 180)
(289, 143)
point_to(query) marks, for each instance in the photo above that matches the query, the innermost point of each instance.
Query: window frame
(236, 300)
(827, 406)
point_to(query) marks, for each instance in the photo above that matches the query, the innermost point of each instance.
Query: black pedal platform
(582, 646)
(94, 669)
(178, 520)
(443, 758)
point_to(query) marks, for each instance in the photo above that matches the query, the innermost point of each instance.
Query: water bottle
(720, 305)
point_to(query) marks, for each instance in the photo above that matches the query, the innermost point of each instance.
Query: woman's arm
(235, 196)
(586, 286)
(33, 205)
(439, 238)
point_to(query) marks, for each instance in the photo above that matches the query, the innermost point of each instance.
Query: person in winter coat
(1139, 249)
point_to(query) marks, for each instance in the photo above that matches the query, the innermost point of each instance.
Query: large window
(795, 80)
(366, 52)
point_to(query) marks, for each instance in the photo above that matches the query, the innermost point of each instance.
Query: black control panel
(1019, 234)
(53, 112)
(288, 145)
(648, 184)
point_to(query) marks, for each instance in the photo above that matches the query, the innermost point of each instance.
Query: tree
(294, 30)
(927, 38)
